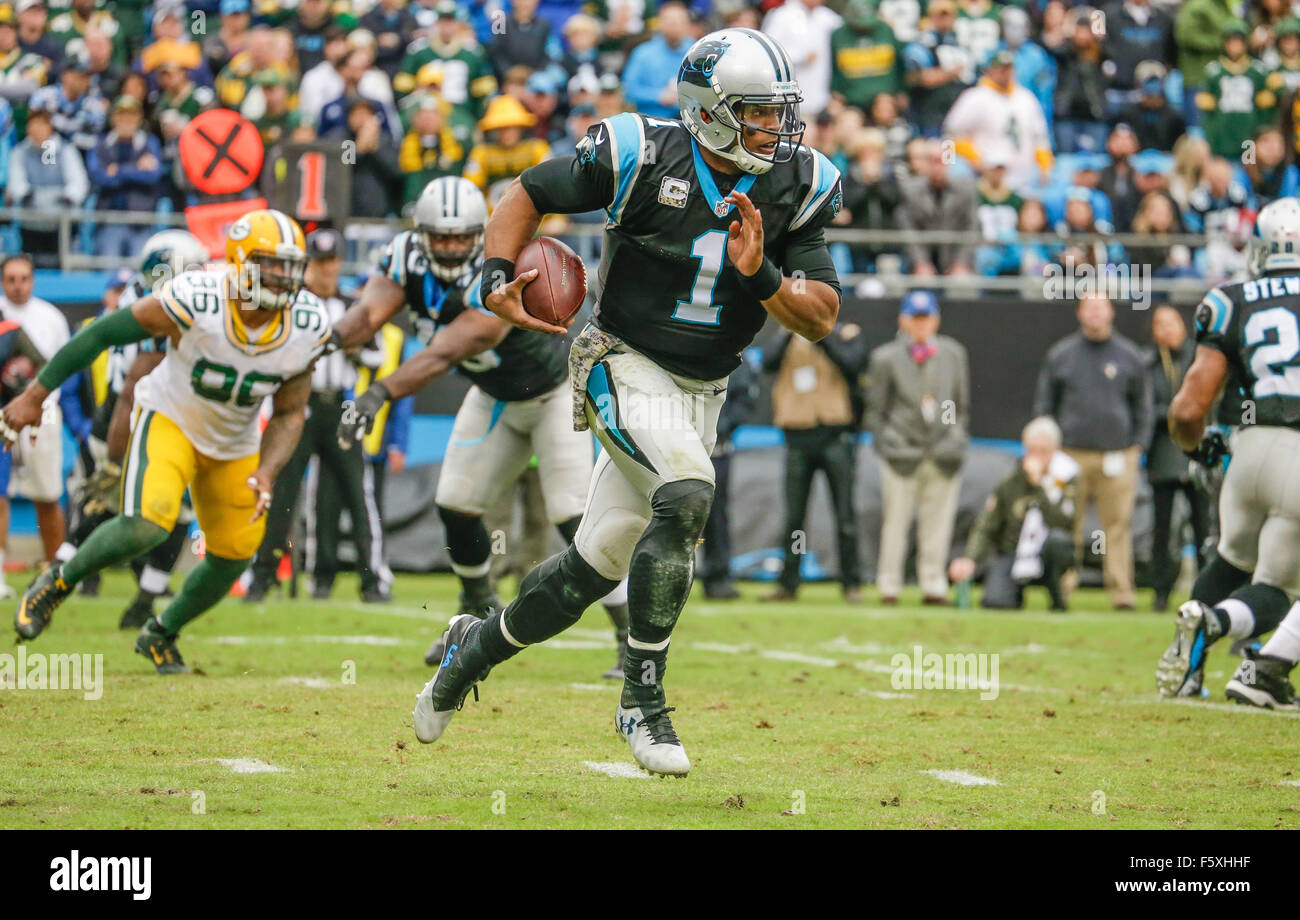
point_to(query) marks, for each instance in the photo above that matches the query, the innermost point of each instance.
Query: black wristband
(497, 272)
(763, 283)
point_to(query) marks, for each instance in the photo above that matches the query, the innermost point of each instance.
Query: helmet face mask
(265, 251)
(274, 280)
(739, 99)
(450, 217)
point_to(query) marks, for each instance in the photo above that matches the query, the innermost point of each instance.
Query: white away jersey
(212, 382)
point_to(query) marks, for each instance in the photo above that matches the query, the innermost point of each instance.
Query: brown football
(556, 294)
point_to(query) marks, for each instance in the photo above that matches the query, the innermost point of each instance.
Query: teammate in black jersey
(1247, 331)
(715, 224)
(518, 407)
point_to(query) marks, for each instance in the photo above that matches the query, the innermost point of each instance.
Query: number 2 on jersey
(1265, 356)
(709, 247)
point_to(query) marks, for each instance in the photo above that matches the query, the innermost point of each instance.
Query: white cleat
(450, 682)
(429, 723)
(653, 742)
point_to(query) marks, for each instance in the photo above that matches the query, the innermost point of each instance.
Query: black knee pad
(467, 539)
(553, 596)
(683, 507)
(1217, 580)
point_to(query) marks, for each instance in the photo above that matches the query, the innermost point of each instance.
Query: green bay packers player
(235, 336)
(715, 225)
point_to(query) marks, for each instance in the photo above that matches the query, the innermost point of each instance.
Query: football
(556, 294)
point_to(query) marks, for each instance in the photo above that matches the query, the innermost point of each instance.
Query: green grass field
(789, 716)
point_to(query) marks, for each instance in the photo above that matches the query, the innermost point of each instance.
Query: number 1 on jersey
(709, 247)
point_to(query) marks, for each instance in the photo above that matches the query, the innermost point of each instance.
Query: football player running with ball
(715, 224)
(517, 408)
(1250, 331)
(235, 336)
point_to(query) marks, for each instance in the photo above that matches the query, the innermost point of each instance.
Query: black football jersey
(1256, 324)
(665, 285)
(523, 365)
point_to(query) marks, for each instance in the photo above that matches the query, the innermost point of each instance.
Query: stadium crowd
(988, 118)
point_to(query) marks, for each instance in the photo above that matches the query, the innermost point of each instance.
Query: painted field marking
(600, 688)
(617, 770)
(323, 640)
(249, 765)
(961, 778)
(316, 683)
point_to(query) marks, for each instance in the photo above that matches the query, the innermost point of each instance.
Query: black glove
(333, 343)
(359, 416)
(1212, 449)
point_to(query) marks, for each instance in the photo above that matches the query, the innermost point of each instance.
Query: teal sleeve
(118, 328)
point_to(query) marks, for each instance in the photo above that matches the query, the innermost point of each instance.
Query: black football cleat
(445, 692)
(478, 609)
(160, 648)
(1263, 681)
(138, 613)
(39, 601)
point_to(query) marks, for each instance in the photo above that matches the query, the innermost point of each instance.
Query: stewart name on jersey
(524, 364)
(213, 379)
(1256, 325)
(666, 285)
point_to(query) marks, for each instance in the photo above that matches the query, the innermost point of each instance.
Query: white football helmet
(1278, 245)
(723, 73)
(450, 215)
(168, 254)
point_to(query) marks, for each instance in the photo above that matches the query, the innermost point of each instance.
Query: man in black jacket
(715, 567)
(1170, 355)
(817, 403)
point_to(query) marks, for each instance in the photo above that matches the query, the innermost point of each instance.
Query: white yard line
(316, 683)
(961, 778)
(617, 770)
(319, 640)
(599, 688)
(249, 765)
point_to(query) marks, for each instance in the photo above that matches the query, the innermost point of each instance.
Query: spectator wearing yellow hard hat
(505, 151)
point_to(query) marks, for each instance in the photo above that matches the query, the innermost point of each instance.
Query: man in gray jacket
(1094, 382)
(918, 411)
(46, 174)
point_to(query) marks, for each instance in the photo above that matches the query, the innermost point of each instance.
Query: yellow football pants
(161, 464)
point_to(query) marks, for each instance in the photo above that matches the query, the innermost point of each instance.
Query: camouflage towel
(586, 352)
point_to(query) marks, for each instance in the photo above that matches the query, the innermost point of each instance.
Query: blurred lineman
(235, 336)
(165, 255)
(332, 380)
(1024, 532)
(519, 403)
(1251, 328)
(720, 267)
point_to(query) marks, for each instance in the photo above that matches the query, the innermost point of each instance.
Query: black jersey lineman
(665, 284)
(523, 365)
(1256, 324)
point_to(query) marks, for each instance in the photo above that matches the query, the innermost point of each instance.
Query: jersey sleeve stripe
(627, 139)
(172, 307)
(824, 177)
(397, 262)
(1222, 311)
(474, 295)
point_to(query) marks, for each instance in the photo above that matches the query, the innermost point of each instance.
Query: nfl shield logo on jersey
(673, 192)
(721, 208)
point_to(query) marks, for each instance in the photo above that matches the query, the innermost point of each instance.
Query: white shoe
(653, 742)
(450, 681)
(6, 592)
